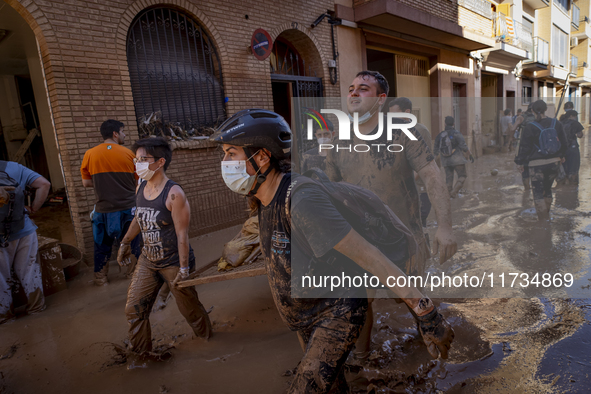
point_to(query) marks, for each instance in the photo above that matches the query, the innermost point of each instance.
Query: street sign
(261, 44)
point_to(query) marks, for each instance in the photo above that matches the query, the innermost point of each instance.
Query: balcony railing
(541, 52)
(481, 7)
(576, 16)
(574, 62)
(511, 32)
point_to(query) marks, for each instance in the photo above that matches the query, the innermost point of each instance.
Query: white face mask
(324, 140)
(143, 171)
(236, 177)
(366, 116)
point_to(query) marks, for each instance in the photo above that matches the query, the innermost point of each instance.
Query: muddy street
(510, 340)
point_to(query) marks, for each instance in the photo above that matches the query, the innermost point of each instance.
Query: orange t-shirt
(111, 168)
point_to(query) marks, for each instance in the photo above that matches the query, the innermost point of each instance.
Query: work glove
(182, 275)
(436, 332)
(471, 159)
(4, 195)
(124, 255)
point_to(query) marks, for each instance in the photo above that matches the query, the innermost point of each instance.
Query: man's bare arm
(445, 242)
(41, 186)
(87, 183)
(368, 257)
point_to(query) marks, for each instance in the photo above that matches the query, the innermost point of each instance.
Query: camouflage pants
(542, 178)
(328, 344)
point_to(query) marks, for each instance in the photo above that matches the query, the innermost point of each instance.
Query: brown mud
(509, 342)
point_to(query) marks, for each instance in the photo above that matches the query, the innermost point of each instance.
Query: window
(175, 70)
(526, 92)
(560, 47)
(562, 4)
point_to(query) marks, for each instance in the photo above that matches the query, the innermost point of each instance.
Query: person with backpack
(573, 130)
(451, 146)
(542, 148)
(520, 122)
(18, 237)
(301, 229)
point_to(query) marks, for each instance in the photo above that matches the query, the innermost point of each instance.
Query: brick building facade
(82, 46)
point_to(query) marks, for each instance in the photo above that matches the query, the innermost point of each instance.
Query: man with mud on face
(162, 216)
(298, 230)
(390, 176)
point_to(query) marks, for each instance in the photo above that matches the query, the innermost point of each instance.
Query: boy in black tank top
(162, 215)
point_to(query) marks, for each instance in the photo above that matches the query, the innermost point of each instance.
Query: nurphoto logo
(316, 120)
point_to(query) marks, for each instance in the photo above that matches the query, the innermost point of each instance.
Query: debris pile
(151, 125)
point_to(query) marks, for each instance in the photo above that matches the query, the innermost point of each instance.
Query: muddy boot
(100, 278)
(526, 184)
(457, 187)
(162, 299)
(573, 179)
(548, 201)
(541, 210)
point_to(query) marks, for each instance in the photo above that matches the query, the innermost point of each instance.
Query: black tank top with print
(158, 232)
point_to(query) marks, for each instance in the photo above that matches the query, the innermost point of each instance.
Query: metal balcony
(512, 32)
(539, 57)
(574, 62)
(481, 7)
(575, 16)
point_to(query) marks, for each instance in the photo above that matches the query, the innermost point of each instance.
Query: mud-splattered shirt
(279, 248)
(389, 175)
(158, 231)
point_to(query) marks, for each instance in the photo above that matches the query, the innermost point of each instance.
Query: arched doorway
(296, 80)
(174, 70)
(23, 102)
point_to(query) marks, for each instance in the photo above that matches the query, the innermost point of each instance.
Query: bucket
(71, 258)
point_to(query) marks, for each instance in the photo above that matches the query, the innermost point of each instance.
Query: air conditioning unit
(584, 64)
(574, 41)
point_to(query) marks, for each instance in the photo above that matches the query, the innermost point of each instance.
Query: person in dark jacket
(573, 130)
(543, 167)
(456, 162)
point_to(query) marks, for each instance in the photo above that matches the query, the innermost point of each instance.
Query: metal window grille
(174, 68)
(481, 7)
(411, 66)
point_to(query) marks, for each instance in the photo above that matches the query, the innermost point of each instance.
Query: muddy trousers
(573, 161)
(542, 178)
(449, 178)
(142, 292)
(328, 344)
(21, 256)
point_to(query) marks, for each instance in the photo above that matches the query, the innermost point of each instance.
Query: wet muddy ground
(509, 342)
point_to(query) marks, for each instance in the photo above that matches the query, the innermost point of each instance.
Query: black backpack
(12, 215)
(367, 214)
(446, 147)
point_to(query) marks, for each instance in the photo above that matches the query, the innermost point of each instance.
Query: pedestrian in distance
(451, 146)
(542, 148)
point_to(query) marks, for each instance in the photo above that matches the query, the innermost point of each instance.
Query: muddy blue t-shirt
(322, 227)
(24, 177)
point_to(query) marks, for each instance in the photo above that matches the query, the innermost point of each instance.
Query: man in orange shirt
(109, 169)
